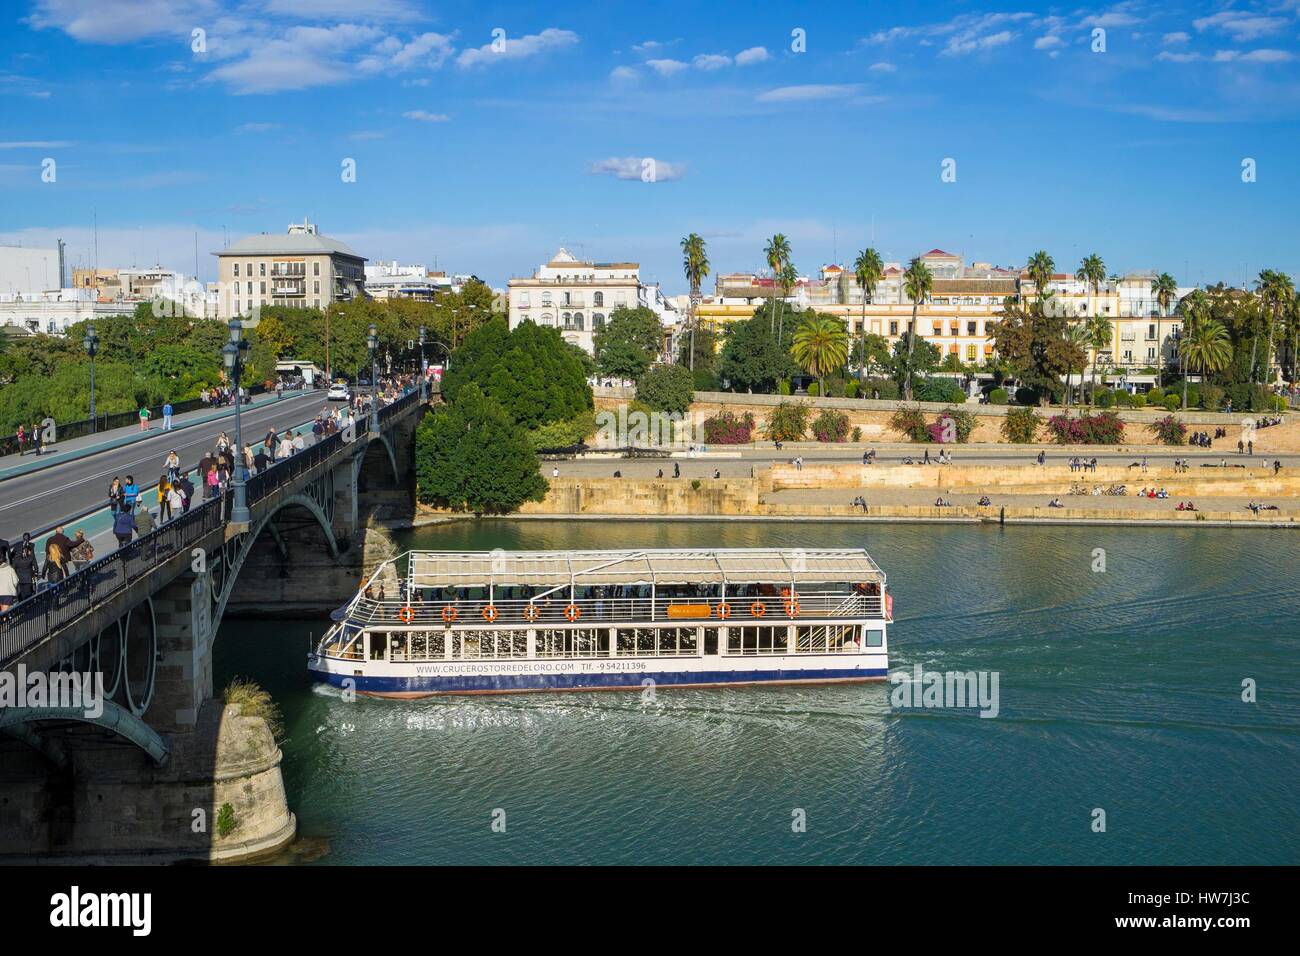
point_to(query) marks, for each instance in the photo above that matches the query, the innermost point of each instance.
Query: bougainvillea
(1170, 430)
(1104, 428)
(831, 425)
(725, 428)
(953, 425)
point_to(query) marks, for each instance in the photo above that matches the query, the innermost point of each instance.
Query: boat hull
(551, 676)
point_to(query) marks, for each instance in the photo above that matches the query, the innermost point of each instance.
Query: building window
(315, 268)
(546, 298)
(568, 320)
(597, 320)
(316, 287)
(315, 303)
(249, 273)
(250, 284)
(261, 268)
(970, 353)
(598, 299)
(523, 300)
(577, 321)
(263, 289)
(546, 318)
(236, 273)
(971, 328)
(893, 328)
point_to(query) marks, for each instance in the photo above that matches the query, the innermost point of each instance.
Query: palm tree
(1165, 290)
(777, 253)
(821, 345)
(1077, 337)
(1209, 347)
(1194, 308)
(868, 270)
(1092, 272)
(695, 263)
(787, 278)
(1101, 335)
(918, 282)
(1041, 268)
(1276, 291)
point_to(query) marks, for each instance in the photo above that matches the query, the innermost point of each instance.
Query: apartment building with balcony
(965, 302)
(299, 269)
(577, 296)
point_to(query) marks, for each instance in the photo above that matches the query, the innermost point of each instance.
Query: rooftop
(430, 569)
(300, 240)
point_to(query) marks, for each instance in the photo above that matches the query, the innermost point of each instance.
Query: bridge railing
(28, 622)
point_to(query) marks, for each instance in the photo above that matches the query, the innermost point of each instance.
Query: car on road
(339, 392)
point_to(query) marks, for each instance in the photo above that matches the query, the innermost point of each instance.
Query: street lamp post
(91, 344)
(372, 343)
(422, 370)
(233, 357)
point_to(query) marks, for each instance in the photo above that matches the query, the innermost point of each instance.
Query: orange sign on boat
(688, 610)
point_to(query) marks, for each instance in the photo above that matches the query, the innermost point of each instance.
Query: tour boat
(516, 621)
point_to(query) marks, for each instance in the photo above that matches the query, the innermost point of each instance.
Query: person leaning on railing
(8, 582)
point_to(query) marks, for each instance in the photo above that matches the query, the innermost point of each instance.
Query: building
(52, 312)
(577, 297)
(390, 280)
(965, 303)
(300, 269)
(27, 271)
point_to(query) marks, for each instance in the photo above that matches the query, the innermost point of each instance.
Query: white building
(52, 312)
(577, 296)
(391, 280)
(28, 271)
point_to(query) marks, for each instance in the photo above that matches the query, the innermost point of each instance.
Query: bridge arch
(114, 718)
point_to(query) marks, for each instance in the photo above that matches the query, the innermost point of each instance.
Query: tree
(667, 388)
(276, 336)
(1277, 294)
(917, 284)
(871, 351)
(628, 343)
(788, 277)
(777, 254)
(529, 370)
(1208, 349)
(1101, 335)
(471, 455)
(751, 358)
(1194, 308)
(1091, 272)
(1041, 268)
(868, 270)
(1034, 343)
(821, 345)
(1165, 289)
(1076, 338)
(913, 354)
(695, 263)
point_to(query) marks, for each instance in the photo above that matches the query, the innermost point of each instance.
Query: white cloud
(882, 67)
(35, 144)
(1177, 57)
(256, 127)
(304, 57)
(651, 46)
(1240, 24)
(711, 61)
(424, 116)
(624, 74)
(370, 10)
(122, 21)
(1049, 42)
(1178, 37)
(808, 91)
(755, 54)
(635, 167)
(1252, 56)
(426, 51)
(970, 43)
(518, 48)
(667, 67)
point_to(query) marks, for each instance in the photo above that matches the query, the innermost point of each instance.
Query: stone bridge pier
(149, 778)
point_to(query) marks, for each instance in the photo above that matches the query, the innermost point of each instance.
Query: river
(1120, 690)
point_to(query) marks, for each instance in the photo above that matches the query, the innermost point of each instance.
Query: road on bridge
(43, 497)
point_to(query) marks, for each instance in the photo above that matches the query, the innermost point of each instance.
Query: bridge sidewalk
(87, 445)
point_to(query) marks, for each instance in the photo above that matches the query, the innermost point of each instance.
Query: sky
(484, 136)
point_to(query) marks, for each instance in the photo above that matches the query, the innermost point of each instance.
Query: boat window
(756, 640)
(710, 640)
(378, 641)
(476, 645)
(825, 638)
(875, 638)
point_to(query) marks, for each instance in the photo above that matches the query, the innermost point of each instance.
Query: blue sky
(486, 161)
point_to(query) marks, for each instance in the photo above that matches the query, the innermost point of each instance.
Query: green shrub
(885, 389)
(831, 426)
(1155, 396)
(1137, 400)
(226, 820)
(938, 390)
(783, 387)
(1211, 397)
(1105, 398)
(1021, 425)
(851, 388)
(564, 434)
(998, 396)
(788, 422)
(1028, 395)
(1172, 402)
(910, 422)
(857, 434)
(813, 390)
(696, 484)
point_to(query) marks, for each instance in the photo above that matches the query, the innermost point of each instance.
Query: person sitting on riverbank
(1055, 503)
(860, 502)
(985, 501)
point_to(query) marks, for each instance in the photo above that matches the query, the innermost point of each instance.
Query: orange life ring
(531, 613)
(791, 602)
(572, 612)
(723, 610)
(406, 614)
(758, 609)
(449, 613)
(489, 613)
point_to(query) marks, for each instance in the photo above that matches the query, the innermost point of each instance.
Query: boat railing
(558, 611)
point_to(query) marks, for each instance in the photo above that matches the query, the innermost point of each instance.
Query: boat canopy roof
(434, 569)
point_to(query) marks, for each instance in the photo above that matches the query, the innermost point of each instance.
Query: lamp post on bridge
(422, 368)
(372, 343)
(91, 345)
(232, 354)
